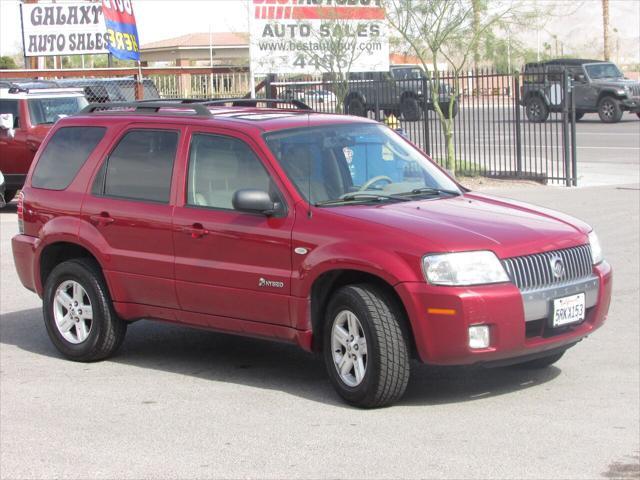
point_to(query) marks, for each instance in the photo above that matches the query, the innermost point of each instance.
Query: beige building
(199, 49)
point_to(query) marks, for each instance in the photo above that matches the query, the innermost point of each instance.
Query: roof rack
(146, 107)
(252, 102)
(235, 102)
(198, 106)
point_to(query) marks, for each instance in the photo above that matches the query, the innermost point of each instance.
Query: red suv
(26, 116)
(330, 232)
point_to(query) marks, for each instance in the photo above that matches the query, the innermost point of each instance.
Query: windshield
(350, 162)
(49, 110)
(603, 70)
(407, 73)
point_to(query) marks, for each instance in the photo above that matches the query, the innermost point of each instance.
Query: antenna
(309, 167)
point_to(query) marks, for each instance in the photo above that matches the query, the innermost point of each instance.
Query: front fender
(388, 265)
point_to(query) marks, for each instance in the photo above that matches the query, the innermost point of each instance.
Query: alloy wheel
(349, 347)
(72, 312)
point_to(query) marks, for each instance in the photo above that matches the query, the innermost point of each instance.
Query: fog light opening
(479, 336)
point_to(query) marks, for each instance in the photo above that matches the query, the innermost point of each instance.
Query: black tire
(355, 106)
(579, 116)
(638, 114)
(540, 363)
(106, 331)
(445, 109)
(387, 364)
(609, 110)
(9, 195)
(536, 109)
(410, 109)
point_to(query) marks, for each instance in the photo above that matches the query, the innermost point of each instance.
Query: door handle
(196, 230)
(102, 220)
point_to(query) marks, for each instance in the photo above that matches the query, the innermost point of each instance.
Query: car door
(15, 155)
(230, 264)
(129, 211)
(584, 94)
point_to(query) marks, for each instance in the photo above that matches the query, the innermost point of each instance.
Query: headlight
(621, 91)
(596, 249)
(464, 268)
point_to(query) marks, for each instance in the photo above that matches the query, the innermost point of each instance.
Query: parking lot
(184, 403)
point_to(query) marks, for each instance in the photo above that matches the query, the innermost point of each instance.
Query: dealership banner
(121, 29)
(315, 36)
(62, 29)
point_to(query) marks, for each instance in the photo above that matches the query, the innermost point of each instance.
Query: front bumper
(631, 104)
(440, 318)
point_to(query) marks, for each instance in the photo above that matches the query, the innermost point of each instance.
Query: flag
(122, 34)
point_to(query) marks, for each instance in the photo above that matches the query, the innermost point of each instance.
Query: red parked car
(26, 115)
(330, 232)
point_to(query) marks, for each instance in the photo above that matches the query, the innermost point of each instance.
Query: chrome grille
(635, 90)
(532, 272)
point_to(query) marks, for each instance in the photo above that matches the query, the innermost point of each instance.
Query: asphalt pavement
(182, 403)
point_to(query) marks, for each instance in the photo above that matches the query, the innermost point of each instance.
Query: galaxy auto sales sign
(62, 29)
(75, 28)
(315, 36)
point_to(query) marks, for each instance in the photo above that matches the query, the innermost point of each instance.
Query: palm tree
(605, 24)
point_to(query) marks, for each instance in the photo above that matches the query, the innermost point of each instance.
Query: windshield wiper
(361, 197)
(428, 191)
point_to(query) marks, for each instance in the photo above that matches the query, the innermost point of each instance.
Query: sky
(160, 19)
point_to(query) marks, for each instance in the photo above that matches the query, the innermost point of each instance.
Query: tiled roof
(219, 39)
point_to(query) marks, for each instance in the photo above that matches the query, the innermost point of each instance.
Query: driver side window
(218, 167)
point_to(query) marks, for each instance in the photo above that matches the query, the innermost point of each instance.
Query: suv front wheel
(536, 110)
(78, 314)
(365, 348)
(609, 110)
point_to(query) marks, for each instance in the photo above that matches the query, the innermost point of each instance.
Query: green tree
(7, 63)
(451, 30)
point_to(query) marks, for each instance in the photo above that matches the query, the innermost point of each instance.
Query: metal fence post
(425, 116)
(565, 128)
(516, 98)
(574, 149)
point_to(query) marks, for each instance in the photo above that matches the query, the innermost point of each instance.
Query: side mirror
(254, 201)
(580, 78)
(6, 124)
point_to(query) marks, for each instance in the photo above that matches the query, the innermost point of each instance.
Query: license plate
(568, 310)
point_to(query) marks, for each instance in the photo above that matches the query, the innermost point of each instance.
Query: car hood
(616, 83)
(477, 222)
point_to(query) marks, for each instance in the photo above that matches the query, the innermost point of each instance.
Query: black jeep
(404, 90)
(598, 87)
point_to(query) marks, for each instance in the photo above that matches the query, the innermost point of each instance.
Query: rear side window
(140, 167)
(64, 155)
(11, 106)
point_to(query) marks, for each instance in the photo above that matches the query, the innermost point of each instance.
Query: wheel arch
(326, 284)
(55, 253)
(607, 93)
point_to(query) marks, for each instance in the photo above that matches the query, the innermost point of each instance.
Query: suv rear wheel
(579, 116)
(356, 107)
(410, 109)
(365, 348)
(78, 314)
(609, 110)
(536, 110)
